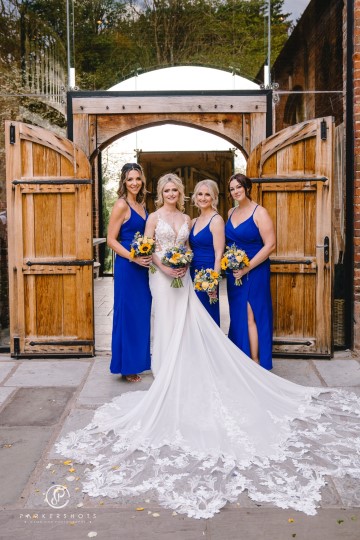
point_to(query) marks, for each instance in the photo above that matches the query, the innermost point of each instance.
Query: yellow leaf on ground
(139, 508)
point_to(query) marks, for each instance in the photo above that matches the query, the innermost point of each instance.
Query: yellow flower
(205, 285)
(132, 253)
(198, 286)
(214, 274)
(175, 258)
(144, 248)
(224, 263)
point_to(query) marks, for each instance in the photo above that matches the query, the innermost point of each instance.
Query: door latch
(326, 246)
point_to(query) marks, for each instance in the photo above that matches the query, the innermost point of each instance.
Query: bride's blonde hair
(175, 179)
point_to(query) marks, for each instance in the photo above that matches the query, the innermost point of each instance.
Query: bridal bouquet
(207, 281)
(142, 246)
(234, 259)
(177, 257)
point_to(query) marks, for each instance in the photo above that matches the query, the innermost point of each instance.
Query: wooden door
(292, 173)
(50, 244)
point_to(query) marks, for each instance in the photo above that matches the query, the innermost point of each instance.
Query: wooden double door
(49, 210)
(293, 179)
(49, 199)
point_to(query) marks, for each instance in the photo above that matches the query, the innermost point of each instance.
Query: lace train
(213, 425)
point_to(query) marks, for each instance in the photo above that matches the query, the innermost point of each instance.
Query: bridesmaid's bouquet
(177, 257)
(234, 259)
(207, 281)
(142, 246)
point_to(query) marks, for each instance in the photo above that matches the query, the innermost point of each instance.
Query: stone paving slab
(5, 369)
(102, 386)
(73, 523)
(77, 419)
(5, 392)
(36, 407)
(21, 449)
(349, 491)
(339, 372)
(49, 373)
(297, 371)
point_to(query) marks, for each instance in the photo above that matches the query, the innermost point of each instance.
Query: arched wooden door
(293, 176)
(50, 244)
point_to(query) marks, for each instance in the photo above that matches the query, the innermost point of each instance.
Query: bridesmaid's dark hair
(122, 191)
(244, 181)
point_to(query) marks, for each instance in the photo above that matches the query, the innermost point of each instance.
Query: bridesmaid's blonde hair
(213, 189)
(175, 179)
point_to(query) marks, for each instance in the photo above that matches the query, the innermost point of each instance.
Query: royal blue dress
(255, 290)
(202, 246)
(130, 344)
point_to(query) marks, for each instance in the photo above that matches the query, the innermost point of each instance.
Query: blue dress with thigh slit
(255, 290)
(132, 307)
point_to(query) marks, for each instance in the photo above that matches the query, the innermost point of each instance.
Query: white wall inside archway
(169, 137)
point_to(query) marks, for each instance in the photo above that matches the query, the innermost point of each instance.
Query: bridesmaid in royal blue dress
(207, 239)
(130, 344)
(250, 227)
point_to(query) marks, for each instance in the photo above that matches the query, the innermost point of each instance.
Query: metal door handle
(326, 246)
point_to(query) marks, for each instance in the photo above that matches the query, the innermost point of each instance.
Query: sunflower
(145, 248)
(224, 263)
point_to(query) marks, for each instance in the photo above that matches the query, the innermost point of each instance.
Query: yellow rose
(205, 285)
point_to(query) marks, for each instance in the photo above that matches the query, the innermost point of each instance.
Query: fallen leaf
(353, 518)
(174, 513)
(147, 500)
(72, 469)
(340, 521)
(155, 514)
(291, 520)
(293, 535)
(49, 465)
(139, 508)
(80, 505)
(67, 462)
(71, 522)
(77, 489)
(92, 534)
(149, 511)
(37, 490)
(101, 503)
(6, 445)
(115, 467)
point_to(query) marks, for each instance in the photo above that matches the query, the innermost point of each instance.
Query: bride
(213, 424)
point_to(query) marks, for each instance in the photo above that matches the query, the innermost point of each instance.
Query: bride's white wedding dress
(214, 423)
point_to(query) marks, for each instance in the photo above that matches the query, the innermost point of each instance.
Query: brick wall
(312, 59)
(356, 76)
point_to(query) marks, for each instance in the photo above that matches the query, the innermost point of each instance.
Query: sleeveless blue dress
(204, 257)
(255, 290)
(132, 307)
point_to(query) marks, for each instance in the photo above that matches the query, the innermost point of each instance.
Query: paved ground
(40, 400)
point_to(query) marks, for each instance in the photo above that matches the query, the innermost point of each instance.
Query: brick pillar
(356, 123)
